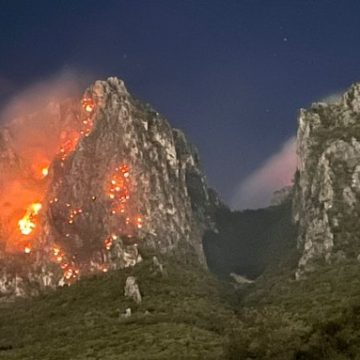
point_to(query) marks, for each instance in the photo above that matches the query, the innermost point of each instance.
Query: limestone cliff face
(128, 181)
(327, 190)
(163, 170)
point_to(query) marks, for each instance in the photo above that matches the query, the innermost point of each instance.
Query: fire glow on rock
(25, 236)
(28, 222)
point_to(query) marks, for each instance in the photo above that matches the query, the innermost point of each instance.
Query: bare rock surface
(327, 189)
(132, 289)
(120, 178)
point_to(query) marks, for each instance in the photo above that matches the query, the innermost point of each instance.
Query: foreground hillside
(184, 314)
(309, 319)
(278, 317)
(187, 314)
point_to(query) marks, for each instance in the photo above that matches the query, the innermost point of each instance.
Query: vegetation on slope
(314, 318)
(184, 314)
(277, 316)
(187, 314)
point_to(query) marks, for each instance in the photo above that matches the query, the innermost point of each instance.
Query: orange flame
(108, 243)
(118, 191)
(139, 222)
(27, 224)
(27, 249)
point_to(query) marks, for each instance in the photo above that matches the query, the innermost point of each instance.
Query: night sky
(231, 74)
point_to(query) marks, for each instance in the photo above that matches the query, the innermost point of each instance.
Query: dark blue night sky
(232, 74)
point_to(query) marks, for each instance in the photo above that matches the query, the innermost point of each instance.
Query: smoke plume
(31, 136)
(276, 172)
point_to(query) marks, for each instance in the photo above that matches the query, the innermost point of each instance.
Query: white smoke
(64, 84)
(332, 98)
(275, 173)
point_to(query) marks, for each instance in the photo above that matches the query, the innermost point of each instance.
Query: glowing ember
(68, 274)
(69, 144)
(45, 171)
(139, 222)
(27, 223)
(119, 188)
(108, 243)
(88, 104)
(118, 191)
(27, 249)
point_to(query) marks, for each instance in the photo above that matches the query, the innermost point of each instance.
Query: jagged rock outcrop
(126, 314)
(168, 188)
(132, 289)
(327, 190)
(159, 268)
(160, 198)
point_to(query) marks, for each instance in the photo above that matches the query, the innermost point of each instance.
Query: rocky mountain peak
(327, 190)
(351, 99)
(118, 178)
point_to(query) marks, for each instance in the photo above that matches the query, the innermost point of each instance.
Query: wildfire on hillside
(27, 236)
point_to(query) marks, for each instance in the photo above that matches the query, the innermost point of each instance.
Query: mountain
(327, 187)
(325, 199)
(305, 305)
(91, 181)
(114, 187)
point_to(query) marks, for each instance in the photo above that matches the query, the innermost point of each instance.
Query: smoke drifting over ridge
(30, 117)
(38, 95)
(278, 171)
(256, 190)
(31, 137)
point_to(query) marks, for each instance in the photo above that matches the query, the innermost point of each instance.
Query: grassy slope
(312, 319)
(278, 317)
(187, 318)
(193, 316)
